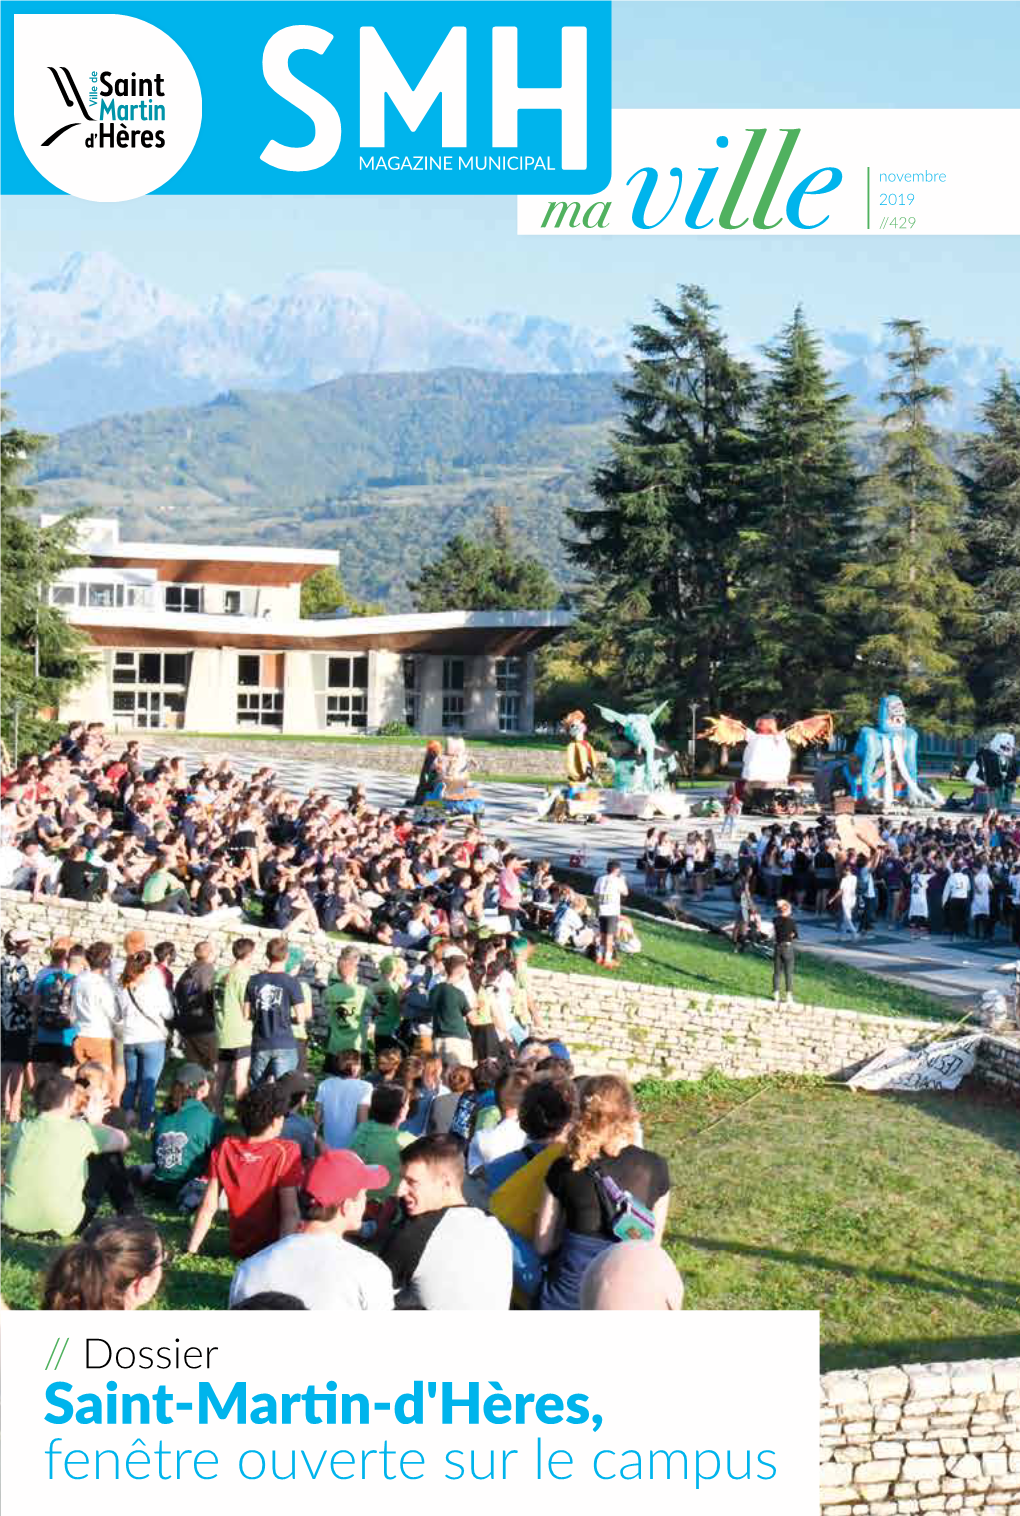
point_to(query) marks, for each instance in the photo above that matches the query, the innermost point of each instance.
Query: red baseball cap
(340, 1175)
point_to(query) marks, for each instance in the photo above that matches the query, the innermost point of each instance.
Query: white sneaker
(775, 998)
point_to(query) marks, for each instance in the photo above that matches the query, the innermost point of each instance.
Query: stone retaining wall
(388, 757)
(933, 1437)
(637, 1029)
(655, 1030)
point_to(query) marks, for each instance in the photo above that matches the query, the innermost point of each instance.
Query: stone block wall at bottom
(924, 1437)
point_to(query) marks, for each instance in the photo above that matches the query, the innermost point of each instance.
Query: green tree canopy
(802, 527)
(905, 595)
(485, 574)
(41, 654)
(662, 544)
(324, 591)
(993, 458)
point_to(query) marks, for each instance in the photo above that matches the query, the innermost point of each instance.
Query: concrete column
(90, 701)
(430, 705)
(211, 703)
(481, 707)
(385, 688)
(528, 694)
(300, 713)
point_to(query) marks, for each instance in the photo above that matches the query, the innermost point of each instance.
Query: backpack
(194, 1005)
(55, 1001)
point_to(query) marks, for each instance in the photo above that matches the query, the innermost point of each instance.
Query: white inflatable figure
(768, 751)
(994, 768)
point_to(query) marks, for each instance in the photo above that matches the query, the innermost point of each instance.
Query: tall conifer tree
(662, 543)
(805, 527)
(993, 459)
(905, 595)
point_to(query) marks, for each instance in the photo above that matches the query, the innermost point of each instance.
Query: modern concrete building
(211, 639)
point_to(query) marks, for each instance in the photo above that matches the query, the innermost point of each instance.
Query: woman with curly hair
(599, 1192)
(117, 1265)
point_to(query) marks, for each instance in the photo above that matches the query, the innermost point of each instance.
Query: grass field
(704, 962)
(894, 1216)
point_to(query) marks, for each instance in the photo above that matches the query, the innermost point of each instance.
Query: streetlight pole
(694, 704)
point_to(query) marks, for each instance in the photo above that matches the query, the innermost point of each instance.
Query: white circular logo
(106, 107)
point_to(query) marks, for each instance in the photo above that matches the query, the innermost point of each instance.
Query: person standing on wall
(783, 953)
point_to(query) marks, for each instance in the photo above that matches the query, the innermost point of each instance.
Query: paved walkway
(956, 971)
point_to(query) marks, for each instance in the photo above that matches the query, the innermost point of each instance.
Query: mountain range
(96, 340)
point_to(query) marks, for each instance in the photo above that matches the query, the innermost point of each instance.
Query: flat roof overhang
(191, 563)
(496, 633)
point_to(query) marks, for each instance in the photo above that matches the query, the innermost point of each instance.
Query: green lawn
(892, 1215)
(702, 961)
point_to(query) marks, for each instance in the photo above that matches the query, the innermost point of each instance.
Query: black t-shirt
(644, 1174)
(80, 880)
(271, 998)
(785, 929)
(194, 995)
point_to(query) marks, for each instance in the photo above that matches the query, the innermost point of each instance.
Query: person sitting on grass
(342, 1100)
(316, 1264)
(117, 1265)
(378, 1143)
(448, 1256)
(185, 1134)
(49, 1183)
(258, 1173)
(294, 1089)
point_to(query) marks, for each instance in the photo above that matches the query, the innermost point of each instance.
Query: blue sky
(462, 257)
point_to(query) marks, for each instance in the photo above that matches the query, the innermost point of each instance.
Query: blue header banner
(308, 97)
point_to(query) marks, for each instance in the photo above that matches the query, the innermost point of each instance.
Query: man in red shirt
(260, 1174)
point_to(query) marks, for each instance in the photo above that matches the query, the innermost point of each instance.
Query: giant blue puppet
(888, 759)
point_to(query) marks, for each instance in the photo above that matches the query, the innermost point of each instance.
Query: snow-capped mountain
(95, 340)
(91, 301)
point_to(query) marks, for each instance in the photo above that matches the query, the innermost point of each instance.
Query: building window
(248, 670)
(182, 597)
(260, 689)
(102, 597)
(149, 689)
(63, 594)
(412, 694)
(260, 707)
(453, 694)
(232, 602)
(343, 701)
(509, 685)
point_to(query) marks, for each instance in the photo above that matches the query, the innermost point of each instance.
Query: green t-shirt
(158, 886)
(346, 1012)
(182, 1143)
(232, 1026)
(46, 1172)
(376, 1143)
(385, 1009)
(449, 1006)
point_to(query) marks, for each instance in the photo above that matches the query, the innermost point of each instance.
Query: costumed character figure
(427, 775)
(888, 758)
(764, 784)
(994, 772)
(642, 768)
(579, 799)
(451, 792)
